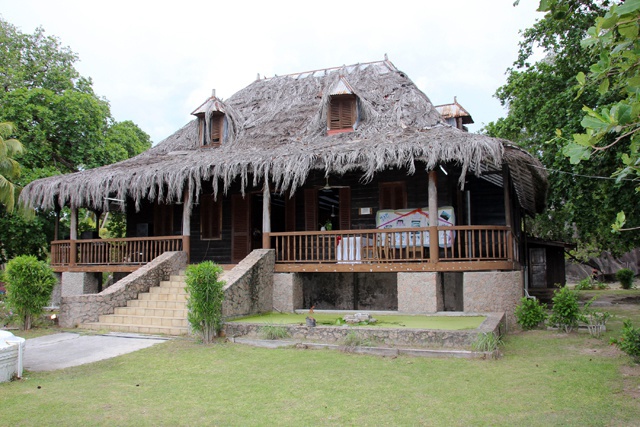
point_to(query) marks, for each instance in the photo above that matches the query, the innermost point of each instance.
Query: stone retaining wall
(78, 309)
(419, 338)
(249, 288)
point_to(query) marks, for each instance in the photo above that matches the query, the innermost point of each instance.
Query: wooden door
(538, 265)
(240, 227)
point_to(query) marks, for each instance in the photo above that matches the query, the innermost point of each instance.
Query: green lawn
(544, 378)
(384, 321)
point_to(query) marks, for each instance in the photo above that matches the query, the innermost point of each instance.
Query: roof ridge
(385, 61)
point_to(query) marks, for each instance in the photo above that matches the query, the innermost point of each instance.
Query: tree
(541, 99)
(9, 168)
(63, 125)
(614, 125)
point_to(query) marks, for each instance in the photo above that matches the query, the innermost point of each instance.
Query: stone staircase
(162, 310)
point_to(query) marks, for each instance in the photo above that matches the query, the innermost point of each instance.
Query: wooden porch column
(186, 223)
(73, 236)
(266, 214)
(56, 224)
(506, 185)
(434, 250)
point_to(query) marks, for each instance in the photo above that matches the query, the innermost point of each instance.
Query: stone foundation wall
(493, 291)
(413, 338)
(78, 284)
(78, 309)
(287, 292)
(420, 293)
(249, 288)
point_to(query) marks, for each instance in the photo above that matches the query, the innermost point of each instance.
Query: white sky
(156, 61)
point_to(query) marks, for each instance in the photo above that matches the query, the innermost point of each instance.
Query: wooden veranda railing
(467, 246)
(112, 252)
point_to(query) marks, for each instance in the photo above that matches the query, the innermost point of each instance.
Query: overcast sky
(157, 61)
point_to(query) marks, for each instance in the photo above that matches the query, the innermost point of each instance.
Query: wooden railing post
(266, 240)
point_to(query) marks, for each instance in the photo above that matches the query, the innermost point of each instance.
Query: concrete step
(167, 290)
(153, 312)
(172, 284)
(178, 278)
(162, 297)
(119, 319)
(172, 305)
(165, 330)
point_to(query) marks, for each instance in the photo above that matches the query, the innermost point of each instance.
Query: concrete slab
(67, 349)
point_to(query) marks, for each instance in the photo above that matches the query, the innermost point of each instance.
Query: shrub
(585, 284)
(625, 277)
(530, 313)
(596, 320)
(204, 301)
(273, 332)
(565, 313)
(629, 341)
(29, 286)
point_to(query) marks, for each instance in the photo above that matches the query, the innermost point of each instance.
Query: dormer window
(342, 114)
(211, 122)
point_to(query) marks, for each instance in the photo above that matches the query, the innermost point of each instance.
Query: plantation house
(357, 192)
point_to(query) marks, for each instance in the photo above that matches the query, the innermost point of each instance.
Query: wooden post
(434, 250)
(507, 211)
(56, 224)
(266, 214)
(73, 236)
(186, 223)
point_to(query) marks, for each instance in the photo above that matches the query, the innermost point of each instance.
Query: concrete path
(67, 349)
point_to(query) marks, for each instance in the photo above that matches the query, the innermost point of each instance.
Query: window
(393, 195)
(210, 218)
(216, 130)
(342, 114)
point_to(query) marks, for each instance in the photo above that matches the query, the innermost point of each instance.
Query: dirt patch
(630, 382)
(628, 300)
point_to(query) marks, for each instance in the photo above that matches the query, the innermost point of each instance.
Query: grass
(384, 321)
(544, 378)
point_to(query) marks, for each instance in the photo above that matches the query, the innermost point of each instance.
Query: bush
(29, 286)
(530, 313)
(585, 284)
(205, 296)
(629, 341)
(625, 277)
(566, 312)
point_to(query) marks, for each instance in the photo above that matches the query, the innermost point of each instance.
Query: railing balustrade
(98, 252)
(456, 243)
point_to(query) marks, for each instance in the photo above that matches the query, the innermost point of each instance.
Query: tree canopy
(543, 105)
(9, 168)
(62, 124)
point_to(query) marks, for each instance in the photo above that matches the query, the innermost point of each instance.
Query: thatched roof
(277, 127)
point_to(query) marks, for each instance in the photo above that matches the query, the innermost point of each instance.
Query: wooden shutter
(393, 195)
(240, 227)
(311, 209)
(290, 213)
(345, 209)
(162, 220)
(342, 112)
(210, 218)
(217, 124)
